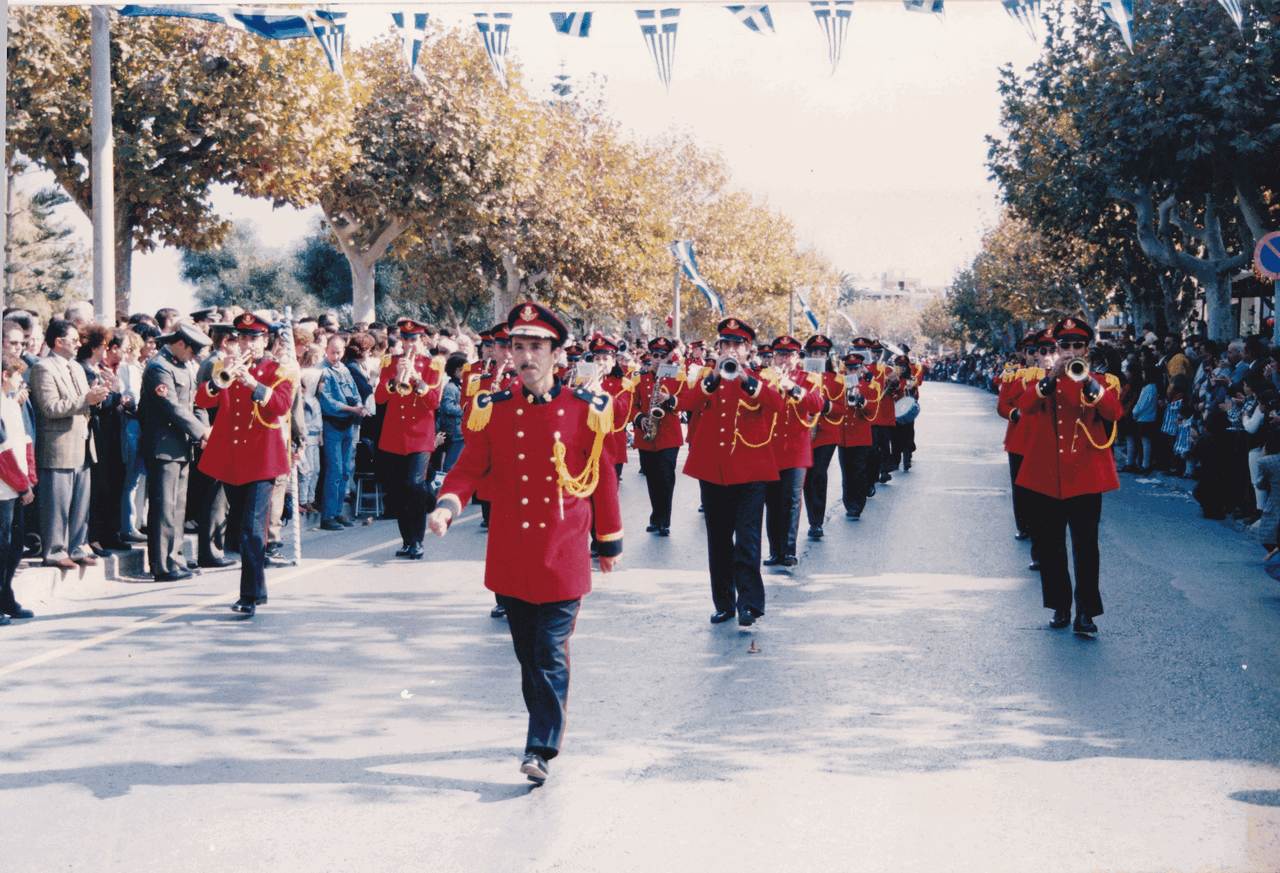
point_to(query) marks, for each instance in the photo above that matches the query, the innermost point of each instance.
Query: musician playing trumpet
(1069, 417)
(792, 448)
(658, 436)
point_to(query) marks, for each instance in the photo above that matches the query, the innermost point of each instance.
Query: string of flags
(658, 27)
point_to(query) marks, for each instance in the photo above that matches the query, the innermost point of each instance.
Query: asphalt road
(908, 708)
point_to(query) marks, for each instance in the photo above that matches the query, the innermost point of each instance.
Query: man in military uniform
(170, 427)
(1013, 384)
(619, 387)
(1067, 468)
(732, 459)
(855, 439)
(210, 498)
(792, 449)
(538, 447)
(658, 436)
(410, 385)
(825, 434)
(247, 449)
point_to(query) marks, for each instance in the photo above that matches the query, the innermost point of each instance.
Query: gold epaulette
(482, 410)
(600, 417)
(386, 360)
(1112, 382)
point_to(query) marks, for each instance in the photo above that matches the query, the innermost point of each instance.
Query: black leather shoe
(653, 528)
(404, 551)
(1034, 565)
(415, 552)
(498, 611)
(748, 616)
(216, 563)
(16, 611)
(885, 478)
(244, 606)
(790, 560)
(534, 768)
(871, 492)
(722, 617)
(772, 561)
(332, 524)
(172, 577)
(1084, 625)
(1061, 618)
(344, 521)
(815, 531)
(4, 619)
(853, 513)
(664, 531)
(272, 550)
(1022, 537)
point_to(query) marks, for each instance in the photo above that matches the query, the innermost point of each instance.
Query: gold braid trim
(257, 412)
(737, 434)
(584, 484)
(481, 410)
(1088, 436)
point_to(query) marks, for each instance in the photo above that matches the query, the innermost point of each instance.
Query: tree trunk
(364, 305)
(124, 264)
(362, 258)
(1218, 315)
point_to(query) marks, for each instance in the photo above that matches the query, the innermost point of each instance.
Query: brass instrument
(656, 413)
(402, 385)
(1077, 369)
(227, 370)
(728, 368)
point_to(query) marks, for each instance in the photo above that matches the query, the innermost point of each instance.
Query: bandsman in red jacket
(658, 436)
(732, 458)
(1013, 384)
(856, 434)
(248, 446)
(1070, 416)
(539, 448)
(619, 387)
(792, 448)
(826, 434)
(410, 384)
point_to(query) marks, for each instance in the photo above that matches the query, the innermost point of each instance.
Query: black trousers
(251, 504)
(1021, 516)
(210, 499)
(659, 470)
(410, 495)
(883, 460)
(853, 469)
(1050, 519)
(815, 485)
(734, 515)
(902, 443)
(782, 501)
(540, 635)
(166, 512)
(11, 548)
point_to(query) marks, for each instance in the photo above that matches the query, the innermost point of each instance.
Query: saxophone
(656, 412)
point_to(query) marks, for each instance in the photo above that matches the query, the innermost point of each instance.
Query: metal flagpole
(102, 166)
(4, 143)
(676, 294)
(791, 313)
(290, 355)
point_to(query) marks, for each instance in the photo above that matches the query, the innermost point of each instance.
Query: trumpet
(1077, 369)
(728, 368)
(227, 370)
(404, 371)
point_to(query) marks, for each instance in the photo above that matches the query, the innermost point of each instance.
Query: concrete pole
(676, 307)
(102, 167)
(791, 314)
(4, 152)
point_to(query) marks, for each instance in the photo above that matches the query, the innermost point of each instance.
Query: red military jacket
(249, 440)
(620, 389)
(882, 411)
(731, 445)
(669, 433)
(409, 424)
(1012, 386)
(695, 373)
(538, 457)
(828, 429)
(792, 443)
(1068, 448)
(855, 425)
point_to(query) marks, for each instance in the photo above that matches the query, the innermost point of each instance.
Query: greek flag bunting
(1236, 13)
(571, 23)
(932, 7)
(659, 29)
(804, 306)
(756, 18)
(413, 33)
(833, 17)
(331, 33)
(1121, 14)
(1025, 12)
(494, 29)
(683, 250)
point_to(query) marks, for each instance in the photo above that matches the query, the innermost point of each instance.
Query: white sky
(880, 165)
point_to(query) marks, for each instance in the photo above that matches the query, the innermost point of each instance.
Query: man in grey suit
(61, 396)
(170, 427)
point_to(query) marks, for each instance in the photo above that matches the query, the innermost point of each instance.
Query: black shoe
(272, 550)
(1022, 536)
(721, 617)
(1084, 625)
(244, 606)
(701, 508)
(885, 478)
(1033, 566)
(404, 551)
(332, 524)
(815, 531)
(172, 577)
(260, 601)
(534, 768)
(498, 611)
(871, 491)
(664, 531)
(772, 561)
(853, 513)
(4, 619)
(748, 616)
(484, 524)
(16, 611)
(1061, 618)
(906, 465)
(132, 538)
(416, 552)
(790, 560)
(216, 563)
(653, 528)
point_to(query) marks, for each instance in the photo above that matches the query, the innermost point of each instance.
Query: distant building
(896, 284)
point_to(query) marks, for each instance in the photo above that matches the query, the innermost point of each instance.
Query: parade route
(902, 705)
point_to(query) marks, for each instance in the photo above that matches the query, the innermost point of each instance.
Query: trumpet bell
(1077, 370)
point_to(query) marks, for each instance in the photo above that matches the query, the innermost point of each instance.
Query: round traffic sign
(1266, 257)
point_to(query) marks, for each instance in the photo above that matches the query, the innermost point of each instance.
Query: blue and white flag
(1121, 14)
(756, 18)
(572, 23)
(659, 29)
(413, 33)
(683, 250)
(495, 28)
(331, 32)
(1025, 12)
(833, 17)
(932, 7)
(804, 304)
(1234, 10)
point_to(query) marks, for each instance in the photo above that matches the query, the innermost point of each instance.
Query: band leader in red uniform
(249, 446)
(792, 449)
(1067, 468)
(410, 384)
(732, 459)
(539, 447)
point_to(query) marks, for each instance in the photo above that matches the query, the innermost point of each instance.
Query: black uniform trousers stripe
(250, 504)
(540, 635)
(782, 500)
(734, 515)
(410, 495)
(815, 485)
(660, 477)
(1051, 519)
(853, 467)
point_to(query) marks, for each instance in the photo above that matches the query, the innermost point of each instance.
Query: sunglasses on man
(1072, 344)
